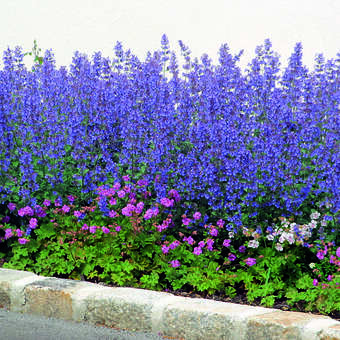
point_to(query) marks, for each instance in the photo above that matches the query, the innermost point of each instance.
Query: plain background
(95, 25)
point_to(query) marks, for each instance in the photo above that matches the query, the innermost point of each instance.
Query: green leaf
(45, 231)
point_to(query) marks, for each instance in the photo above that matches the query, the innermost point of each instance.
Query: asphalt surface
(17, 326)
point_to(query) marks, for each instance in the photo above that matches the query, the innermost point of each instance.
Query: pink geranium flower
(250, 261)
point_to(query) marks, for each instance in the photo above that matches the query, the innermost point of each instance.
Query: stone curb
(161, 313)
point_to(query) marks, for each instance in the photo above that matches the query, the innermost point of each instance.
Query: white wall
(95, 25)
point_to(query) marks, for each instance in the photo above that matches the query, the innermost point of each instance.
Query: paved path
(17, 326)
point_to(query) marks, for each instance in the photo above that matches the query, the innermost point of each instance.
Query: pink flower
(142, 182)
(226, 243)
(112, 214)
(165, 249)
(57, 202)
(232, 257)
(11, 206)
(250, 261)
(190, 240)
(25, 211)
(166, 202)
(213, 232)
(150, 213)
(113, 201)
(161, 227)
(201, 244)
(315, 282)
(197, 215)
(173, 193)
(93, 229)
(105, 230)
(197, 250)
(8, 233)
(19, 232)
(210, 243)
(155, 211)
(139, 207)
(175, 263)
(116, 186)
(65, 208)
(174, 244)
(338, 252)
(47, 203)
(242, 249)
(126, 178)
(77, 213)
(118, 228)
(85, 227)
(220, 223)
(71, 198)
(121, 193)
(128, 210)
(186, 221)
(320, 255)
(22, 240)
(33, 223)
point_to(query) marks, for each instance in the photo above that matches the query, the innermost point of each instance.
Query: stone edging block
(156, 312)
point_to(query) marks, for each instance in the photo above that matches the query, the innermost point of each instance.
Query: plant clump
(205, 179)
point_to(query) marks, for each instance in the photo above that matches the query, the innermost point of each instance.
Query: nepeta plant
(252, 146)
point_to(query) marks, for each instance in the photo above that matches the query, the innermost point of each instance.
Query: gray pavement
(17, 326)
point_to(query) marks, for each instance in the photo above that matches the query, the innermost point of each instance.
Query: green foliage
(129, 251)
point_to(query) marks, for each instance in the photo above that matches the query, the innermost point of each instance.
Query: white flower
(315, 215)
(292, 226)
(312, 265)
(287, 237)
(312, 224)
(323, 223)
(279, 247)
(270, 237)
(253, 244)
(231, 234)
(290, 238)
